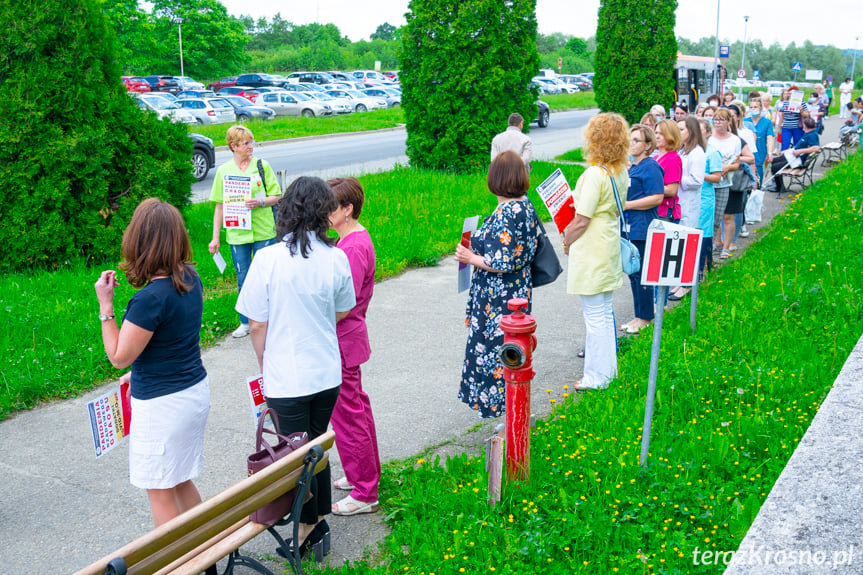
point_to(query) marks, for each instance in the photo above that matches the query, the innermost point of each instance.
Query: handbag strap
(620, 222)
(536, 215)
(259, 435)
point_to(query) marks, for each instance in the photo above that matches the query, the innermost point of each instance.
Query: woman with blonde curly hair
(592, 241)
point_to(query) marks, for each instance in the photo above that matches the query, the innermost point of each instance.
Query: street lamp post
(716, 86)
(854, 60)
(179, 22)
(743, 57)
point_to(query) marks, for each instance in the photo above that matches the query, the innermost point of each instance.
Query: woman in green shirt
(252, 190)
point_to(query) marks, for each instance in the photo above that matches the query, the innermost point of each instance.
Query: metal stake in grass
(651, 379)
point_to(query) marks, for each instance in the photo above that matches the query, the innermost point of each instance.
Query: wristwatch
(103, 317)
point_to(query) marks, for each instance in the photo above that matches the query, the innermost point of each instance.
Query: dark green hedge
(636, 52)
(465, 67)
(76, 153)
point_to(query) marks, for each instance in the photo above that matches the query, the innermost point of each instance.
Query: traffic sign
(797, 66)
(755, 74)
(559, 62)
(724, 50)
(741, 73)
(672, 254)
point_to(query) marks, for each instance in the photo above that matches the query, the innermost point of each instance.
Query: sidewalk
(61, 509)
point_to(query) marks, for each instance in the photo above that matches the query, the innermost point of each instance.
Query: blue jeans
(790, 137)
(242, 256)
(642, 296)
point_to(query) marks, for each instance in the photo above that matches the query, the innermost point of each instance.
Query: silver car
(392, 97)
(294, 104)
(360, 101)
(165, 109)
(339, 105)
(209, 110)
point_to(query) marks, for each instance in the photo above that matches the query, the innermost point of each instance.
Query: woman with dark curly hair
(295, 293)
(160, 339)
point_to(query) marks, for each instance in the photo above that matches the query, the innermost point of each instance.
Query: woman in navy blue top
(160, 339)
(646, 191)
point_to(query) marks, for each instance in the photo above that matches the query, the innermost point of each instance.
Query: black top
(171, 361)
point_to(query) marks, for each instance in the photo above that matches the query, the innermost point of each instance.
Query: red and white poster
(255, 385)
(236, 191)
(557, 197)
(110, 417)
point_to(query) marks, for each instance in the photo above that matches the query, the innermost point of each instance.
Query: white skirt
(166, 443)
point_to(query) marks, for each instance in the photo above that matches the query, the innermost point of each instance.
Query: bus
(694, 79)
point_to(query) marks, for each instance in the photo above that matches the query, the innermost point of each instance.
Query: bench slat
(183, 533)
(202, 548)
(212, 555)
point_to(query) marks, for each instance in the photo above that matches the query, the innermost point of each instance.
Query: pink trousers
(356, 438)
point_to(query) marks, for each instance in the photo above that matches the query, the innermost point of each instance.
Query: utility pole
(743, 57)
(716, 86)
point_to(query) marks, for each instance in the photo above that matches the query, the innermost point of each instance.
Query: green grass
(296, 127)
(733, 401)
(575, 155)
(52, 339)
(563, 102)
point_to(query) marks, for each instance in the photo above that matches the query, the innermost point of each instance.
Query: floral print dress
(507, 241)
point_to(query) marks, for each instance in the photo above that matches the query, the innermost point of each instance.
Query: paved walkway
(61, 509)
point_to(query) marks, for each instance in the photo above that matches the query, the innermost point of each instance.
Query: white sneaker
(744, 231)
(241, 331)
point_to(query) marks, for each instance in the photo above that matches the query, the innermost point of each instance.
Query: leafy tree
(139, 48)
(577, 46)
(631, 77)
(465, 66)
(77, 161)
(385, 31)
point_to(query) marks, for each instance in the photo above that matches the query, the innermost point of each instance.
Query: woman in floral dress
(501, 253)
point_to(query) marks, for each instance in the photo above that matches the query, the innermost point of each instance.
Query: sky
(837, 24)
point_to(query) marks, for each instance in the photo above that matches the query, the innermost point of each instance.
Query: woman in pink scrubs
(352, 418)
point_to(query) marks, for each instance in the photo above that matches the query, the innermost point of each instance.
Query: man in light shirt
(513, 139)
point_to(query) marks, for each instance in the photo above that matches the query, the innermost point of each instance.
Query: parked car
(203, 156)
(582, 82)
(167, 96)
(338, 105)
(543, 114)
(392, 76)
(392, 97)
(370, 77)
(163, 84)
(135, 84)
(165, 109)
(340, 76)
(776, 88)
(260, 80)
(195, 94)
(250, 94)
(187, 83)
(209, 110)
(311, 77)
(360, 101)
(226, 82)
(546, 85)
(294, 104)
(246, 110)
(301, 87)
(267, 89)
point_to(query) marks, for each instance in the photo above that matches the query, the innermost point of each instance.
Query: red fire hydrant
(516, 355)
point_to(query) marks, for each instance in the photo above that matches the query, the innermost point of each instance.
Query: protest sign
(110, 417)
(557, 197)
(236, 191)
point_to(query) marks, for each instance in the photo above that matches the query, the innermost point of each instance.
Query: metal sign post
(672, 255)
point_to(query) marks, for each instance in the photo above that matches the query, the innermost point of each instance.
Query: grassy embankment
(52, 340)
(733, 400)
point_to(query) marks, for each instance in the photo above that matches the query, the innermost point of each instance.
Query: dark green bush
(636, 52)
(76, 153)
(465, 66)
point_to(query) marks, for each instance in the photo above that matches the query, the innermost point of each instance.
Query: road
(366, 152)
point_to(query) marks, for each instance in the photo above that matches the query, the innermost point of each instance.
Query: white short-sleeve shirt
(298, 298)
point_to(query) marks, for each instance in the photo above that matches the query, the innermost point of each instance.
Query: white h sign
(672, 254)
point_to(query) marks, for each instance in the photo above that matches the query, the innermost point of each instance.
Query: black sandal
(580, 354)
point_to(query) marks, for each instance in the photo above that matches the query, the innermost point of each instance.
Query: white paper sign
(795, 103)
(255, 385)
(236, 191)
(220, 262)
(467, 230)
(793, 161)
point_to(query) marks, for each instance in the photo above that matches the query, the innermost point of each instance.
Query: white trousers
(600, 348)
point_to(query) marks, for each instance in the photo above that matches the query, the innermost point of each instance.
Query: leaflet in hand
(793, 161)
(236, 191)
(110, 417)
(467, 230)
(255, 385)
(557, 197)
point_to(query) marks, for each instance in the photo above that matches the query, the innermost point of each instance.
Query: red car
(135, 84)
(248, 93)
(225, 82)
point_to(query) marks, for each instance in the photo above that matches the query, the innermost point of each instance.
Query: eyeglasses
(715, 119)
(248, 143)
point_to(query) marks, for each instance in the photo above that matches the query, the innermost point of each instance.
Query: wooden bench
(802, 176)
(218, 527)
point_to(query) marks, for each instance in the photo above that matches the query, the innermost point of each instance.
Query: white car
(339, 105)
(209, 110)
(294, 104)
(165, 109)
(371, 77)
(187, 83)
(360, 101)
